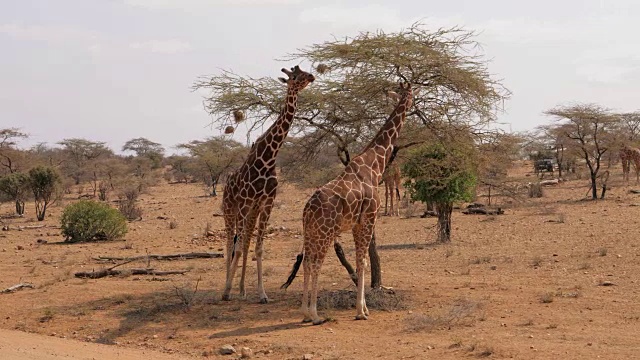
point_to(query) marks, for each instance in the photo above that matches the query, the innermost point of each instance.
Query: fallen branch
(483, 211)
(29, 227)
(16, 288)
(185, 256)
(112, 272)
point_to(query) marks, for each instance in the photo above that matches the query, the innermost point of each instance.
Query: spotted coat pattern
(249, 193)
(349, 202)
(627, 156)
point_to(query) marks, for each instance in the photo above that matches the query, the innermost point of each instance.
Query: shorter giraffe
(391, 178)
(348, 202)
(628, 155)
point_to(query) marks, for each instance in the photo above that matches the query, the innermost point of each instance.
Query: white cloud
(201, 4)
(162, 46)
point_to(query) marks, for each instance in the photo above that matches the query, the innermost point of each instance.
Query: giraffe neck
(382, 143)
(266, 147)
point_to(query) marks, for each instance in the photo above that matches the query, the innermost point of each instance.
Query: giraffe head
(404, 94)
(298, 79)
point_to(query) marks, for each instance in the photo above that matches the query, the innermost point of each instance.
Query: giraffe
(630, 154)
(391, 179)
(249, 193)
(350, 201)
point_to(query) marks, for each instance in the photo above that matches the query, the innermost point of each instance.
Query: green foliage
(89, 220)
(45, 183)
(438, 174)
(15, 187)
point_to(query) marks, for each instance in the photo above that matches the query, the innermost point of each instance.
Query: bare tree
(79, 152)
(590, 130)
(213, 158)
(10, 156)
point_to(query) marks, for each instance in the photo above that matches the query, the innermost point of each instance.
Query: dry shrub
(128, 204)
(462, 312)
(378, 299)
(535, 190)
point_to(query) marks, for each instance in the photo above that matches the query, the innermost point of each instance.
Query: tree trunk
(41, 210)
(444, 221)
(343, 260)
(214, 184)
(374, 258)
(594, 188)
(19, 207)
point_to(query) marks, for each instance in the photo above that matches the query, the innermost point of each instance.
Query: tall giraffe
(250, 191)
(630, 154)
(350, 201)
(391, 179)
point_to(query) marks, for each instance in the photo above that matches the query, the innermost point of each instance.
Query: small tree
(213, 157)
(15, 186)
(44, 182)
(442, 176)
(589, 128)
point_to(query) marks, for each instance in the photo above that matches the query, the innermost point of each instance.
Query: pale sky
(112, 70)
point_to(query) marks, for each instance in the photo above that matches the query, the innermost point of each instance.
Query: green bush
(89, 220)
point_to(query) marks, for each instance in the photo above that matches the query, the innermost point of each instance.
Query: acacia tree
(630, 126)
(346, 106)
(590, 129)
(213, 158)
(79, 152)
(146, 148)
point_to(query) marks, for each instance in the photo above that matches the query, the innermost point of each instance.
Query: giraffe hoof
(361, 317)
(306, 320)
(226, 297)
(318, 322)
(264, 301)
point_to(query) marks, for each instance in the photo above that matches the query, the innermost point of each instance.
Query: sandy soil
(525, 285)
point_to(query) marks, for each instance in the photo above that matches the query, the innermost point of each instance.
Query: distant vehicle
(544, 165)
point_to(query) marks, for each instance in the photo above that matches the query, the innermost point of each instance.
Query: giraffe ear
(394, 95)
(416, 92)
(283, 80)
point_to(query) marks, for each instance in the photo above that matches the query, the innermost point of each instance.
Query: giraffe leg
(243, 236)
(362, 234)
(386, 198)
(316, 258)
(243, 271)
(262, 226)
(251, 224)
(305, 292)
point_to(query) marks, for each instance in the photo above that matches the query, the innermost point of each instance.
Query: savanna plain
(554, 277)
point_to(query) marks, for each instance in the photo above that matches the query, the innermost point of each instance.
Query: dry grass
(462, 312)
(378, 299)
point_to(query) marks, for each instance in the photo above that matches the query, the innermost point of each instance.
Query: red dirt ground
(524, 285)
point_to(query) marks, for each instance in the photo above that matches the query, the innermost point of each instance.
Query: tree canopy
(346, 105)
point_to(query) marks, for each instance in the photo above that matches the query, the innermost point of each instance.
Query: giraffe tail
(294, 271)
(233, 251)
